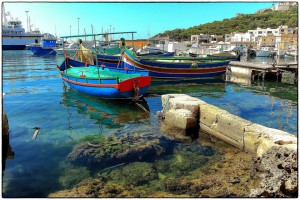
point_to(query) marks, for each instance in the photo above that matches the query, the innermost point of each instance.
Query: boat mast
(27, 20)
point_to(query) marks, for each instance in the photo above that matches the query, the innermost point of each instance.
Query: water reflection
(106, 113)
(213, 87)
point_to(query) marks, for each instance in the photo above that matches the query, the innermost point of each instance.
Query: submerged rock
(137, 173)
(279, 173)
(97, 188)
(71, 175)
(126, 148)
(186, 158)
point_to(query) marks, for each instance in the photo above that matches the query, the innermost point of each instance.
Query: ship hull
(14, 47)
(18, 42)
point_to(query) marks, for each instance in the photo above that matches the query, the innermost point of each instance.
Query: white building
(259, 32)
(242, 37)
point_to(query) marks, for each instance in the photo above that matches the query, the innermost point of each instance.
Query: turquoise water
(35, 96)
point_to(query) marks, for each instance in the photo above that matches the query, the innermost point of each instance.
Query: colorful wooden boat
(115, 60)
(103, 82)
(176, 68)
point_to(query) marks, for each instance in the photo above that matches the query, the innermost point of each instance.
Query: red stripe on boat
(177, 71)
(116, 86)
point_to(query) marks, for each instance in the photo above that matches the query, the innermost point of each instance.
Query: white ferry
(14, 36)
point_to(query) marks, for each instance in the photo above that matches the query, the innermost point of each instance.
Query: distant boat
(151, 51)
(224, 55)
(103, 82)
(70, 49)
(14, 36)
(264, 52)
(46, 47)
(176, 67)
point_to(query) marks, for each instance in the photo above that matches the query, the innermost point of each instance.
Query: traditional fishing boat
(175, 67)
(103, 82)
(224, 55)
(115, 59)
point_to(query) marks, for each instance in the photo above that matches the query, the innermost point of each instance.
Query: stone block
(165, 97)
(192, 106)
(231, 126)
(208, 114)
(181, 118)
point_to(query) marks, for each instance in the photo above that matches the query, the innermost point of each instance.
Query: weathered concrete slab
(259, 138)
(231, 126)
(209, 113)
(181, 118)
(221, 136)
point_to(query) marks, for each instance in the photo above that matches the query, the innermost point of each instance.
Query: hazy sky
(141, 17)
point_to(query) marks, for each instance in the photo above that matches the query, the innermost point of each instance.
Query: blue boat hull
(108, 88)
(106, 93)
(42, 51)
(165, 70)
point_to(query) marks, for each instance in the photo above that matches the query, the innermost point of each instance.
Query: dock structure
(275, 150)
(287, 73)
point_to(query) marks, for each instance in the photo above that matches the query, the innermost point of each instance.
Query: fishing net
(85, 54)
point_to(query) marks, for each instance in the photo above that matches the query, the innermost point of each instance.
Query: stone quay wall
(275, 150)
(185, 112)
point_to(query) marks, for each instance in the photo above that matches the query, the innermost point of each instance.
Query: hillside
(241, 23)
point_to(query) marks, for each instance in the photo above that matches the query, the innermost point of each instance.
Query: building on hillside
(199, 39)
(284, 29)
(259, 32)
(288, 41)
(217, 38)
(266, 41)
(284, 6)
(245, 39)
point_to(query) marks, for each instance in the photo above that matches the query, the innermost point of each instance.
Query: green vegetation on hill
(241, 23)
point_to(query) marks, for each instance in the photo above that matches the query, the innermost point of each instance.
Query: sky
(146, 18)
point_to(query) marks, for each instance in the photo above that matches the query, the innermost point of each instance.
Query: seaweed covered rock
(279, 173)
(97, 188)
(136, 173)
(126, 148)
(71, 175)
(185, 159)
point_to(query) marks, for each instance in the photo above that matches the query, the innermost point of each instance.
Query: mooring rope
(143, 108)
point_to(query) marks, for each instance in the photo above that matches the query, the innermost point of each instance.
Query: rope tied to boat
(136, 89)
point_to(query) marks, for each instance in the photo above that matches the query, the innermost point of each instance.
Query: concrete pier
(275, 150)
(183, 111)
(287, 73)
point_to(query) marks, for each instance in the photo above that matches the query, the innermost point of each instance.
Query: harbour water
(35, 96)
